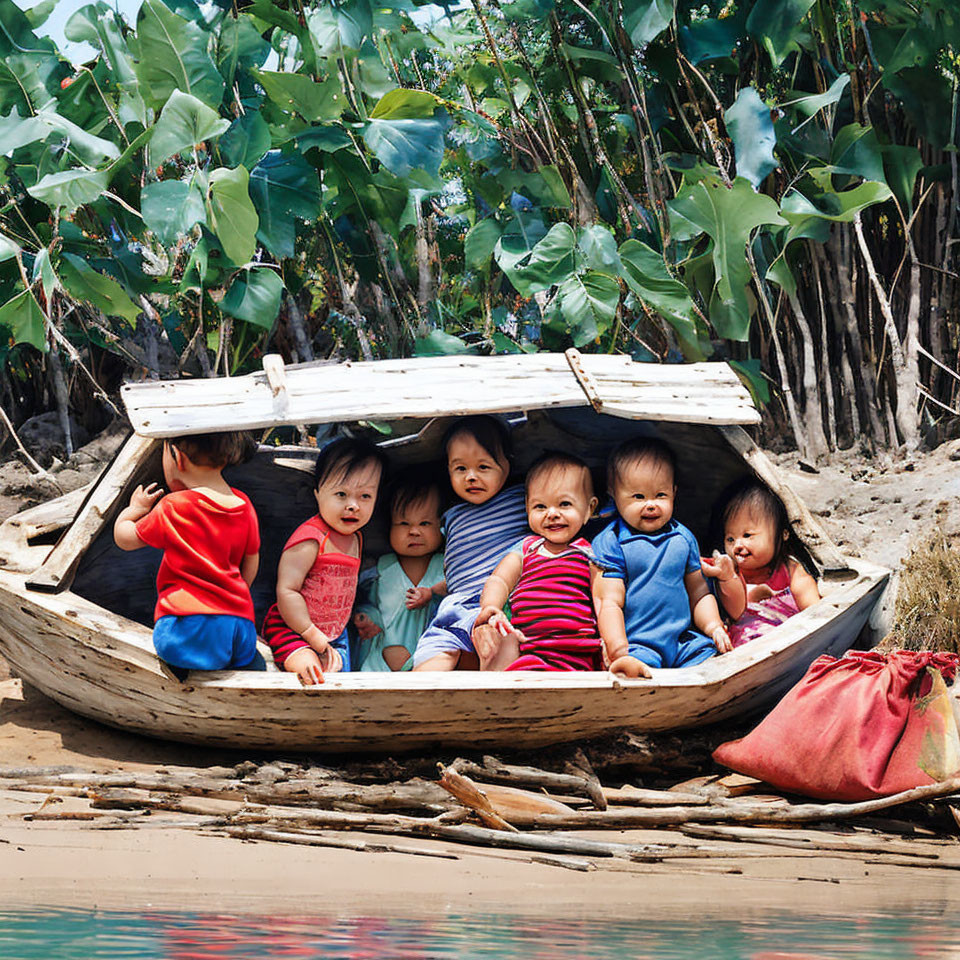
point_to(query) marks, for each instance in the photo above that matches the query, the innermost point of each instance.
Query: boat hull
(102, 666)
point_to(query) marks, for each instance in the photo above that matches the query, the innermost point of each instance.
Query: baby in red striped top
(552, 623)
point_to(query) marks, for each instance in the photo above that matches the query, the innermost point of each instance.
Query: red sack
(862, 726)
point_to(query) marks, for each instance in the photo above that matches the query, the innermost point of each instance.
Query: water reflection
(113, 935)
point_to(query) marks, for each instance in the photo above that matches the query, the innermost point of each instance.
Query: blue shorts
(206, 641)
(342, 646)
(690, 649)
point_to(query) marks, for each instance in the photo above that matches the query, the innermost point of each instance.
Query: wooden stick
(467, 793)
(317, 840)
(518, 776)
(580, 766)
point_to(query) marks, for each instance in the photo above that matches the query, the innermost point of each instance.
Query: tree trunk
(813, 412)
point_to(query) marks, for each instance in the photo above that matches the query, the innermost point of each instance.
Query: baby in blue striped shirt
(489, 519)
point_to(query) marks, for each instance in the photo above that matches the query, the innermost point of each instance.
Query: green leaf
(17, 131)
(173, 56)
(437, 343)
(588, 304)
(71, 188)
(647, 276)
(728, 216)
(811, 104)
(598, 248)
(172, 208)
(9, 249)
(85, 146)
(479, 243)
(328, 138)
(404, 104)
(549, 262)
(296, 93)
(594, 63)
(254, 296)
(777, 25)
(405, 145)
(247, 140)
(43, 270)
(901, 166)
(24, 319)
(711, 39)
(841, 207)
(751, 127)
(856, 150)
(283, 187)
(646, 19)
(184, 121)
(82, 282)
(231, 214)
(340, 27)
(750, 373)
(39, 14)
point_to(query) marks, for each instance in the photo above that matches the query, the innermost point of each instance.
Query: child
(490, 519)
(547, 578)
(775, 586)
(401, 598)
(651, 586)
(317, 575)
(210, 539)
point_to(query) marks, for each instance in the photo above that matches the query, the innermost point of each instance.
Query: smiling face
(475, 474)
(750, 537)
(346, 502)
(415, 527)
(560, 500)
(644, 492)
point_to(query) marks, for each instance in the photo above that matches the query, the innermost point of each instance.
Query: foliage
(678, 180)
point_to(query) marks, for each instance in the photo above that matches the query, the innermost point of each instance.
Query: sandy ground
(872, 509)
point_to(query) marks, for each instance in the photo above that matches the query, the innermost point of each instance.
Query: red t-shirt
(203, 545)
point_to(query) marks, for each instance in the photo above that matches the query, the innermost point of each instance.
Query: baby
(210, 539)
(489, 519)
(651, 586)
(775, 586)
(547, 578)
(317, 575)
(407, 581)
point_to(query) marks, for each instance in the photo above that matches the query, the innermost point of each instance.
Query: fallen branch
(316, 840)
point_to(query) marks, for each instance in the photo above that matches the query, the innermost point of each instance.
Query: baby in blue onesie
(649, 591)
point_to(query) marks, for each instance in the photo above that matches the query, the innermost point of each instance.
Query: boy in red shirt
(210, 539)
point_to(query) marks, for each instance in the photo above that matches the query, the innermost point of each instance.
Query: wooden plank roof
(436, 386)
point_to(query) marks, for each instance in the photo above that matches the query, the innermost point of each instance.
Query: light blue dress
(386, 606)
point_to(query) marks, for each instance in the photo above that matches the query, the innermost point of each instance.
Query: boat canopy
(423, 387)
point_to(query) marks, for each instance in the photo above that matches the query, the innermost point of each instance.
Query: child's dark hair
(215, 449)
(751, 494)
(635, 451)
(491, 433)
(345, 456)
(414, 485)
(553, 461)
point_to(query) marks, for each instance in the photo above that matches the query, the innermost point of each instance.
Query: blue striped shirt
(478, 537)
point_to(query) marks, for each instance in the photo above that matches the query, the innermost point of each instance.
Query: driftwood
(466, 791)
(316, 840)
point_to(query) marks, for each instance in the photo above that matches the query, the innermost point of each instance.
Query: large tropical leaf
(23, 317)
(254, 296)
(82, 282)
(296, 93)
(646, 19)
(231, 214)
(405, 145)
(550, 261)
(184, 122)
(172, 208)
(173, 56)
(728, 215)
(648, 277)
(829, 205)
(597, 247)
(338, 27)
(404, 104)
(479, 243)
(247, 140)
(283, 187)
(778, 25)
(751, 128)
(71, 188)
(588, 305)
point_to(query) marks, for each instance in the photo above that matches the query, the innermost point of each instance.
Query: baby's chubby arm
(420, 596)
(249, 566)
(733, 591)
(142, 501)
(609, 596)
(705, 612)
(295, 564)
(496, 591)
(803, 587)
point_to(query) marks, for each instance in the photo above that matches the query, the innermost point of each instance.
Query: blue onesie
(656, 610)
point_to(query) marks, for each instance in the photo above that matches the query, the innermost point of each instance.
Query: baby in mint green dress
(409, 582)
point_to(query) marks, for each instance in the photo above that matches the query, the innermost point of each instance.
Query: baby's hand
(366, 628)
(418, 597)
(757, 592)
(630, 667)
(331, 661)
(721, 566)
(305, 663)
(721, 640)
(496, 618)
(143, 498)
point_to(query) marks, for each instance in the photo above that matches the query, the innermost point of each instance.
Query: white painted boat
(75, 617)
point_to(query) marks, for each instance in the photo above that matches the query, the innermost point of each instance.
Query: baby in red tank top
(317, 575)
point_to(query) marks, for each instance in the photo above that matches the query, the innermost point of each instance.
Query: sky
(75, 52)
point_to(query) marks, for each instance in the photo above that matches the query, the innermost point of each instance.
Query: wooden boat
(75, 618)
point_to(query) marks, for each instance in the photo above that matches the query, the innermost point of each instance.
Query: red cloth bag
(862, 726)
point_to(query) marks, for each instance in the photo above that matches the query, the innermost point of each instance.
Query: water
(159, 935)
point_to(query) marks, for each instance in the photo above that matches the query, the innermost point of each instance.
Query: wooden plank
(437, 386)
(99, 508)
(808, 529)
